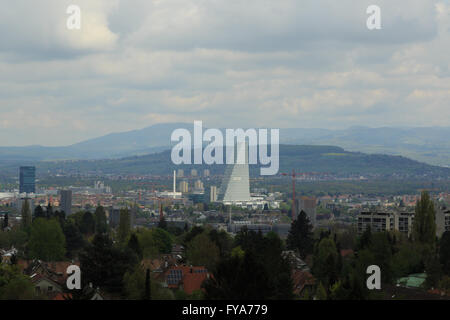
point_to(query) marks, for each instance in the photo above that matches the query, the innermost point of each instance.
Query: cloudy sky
(230, 63)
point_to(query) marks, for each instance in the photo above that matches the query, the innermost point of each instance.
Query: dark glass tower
(27, 178)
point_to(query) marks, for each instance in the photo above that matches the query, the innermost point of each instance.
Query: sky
(229, 63)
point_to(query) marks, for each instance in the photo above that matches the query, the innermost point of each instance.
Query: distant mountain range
(426, 144)
(430, 144)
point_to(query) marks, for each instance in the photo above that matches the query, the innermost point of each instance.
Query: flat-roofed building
(27, 179)
(184, 186)
(198, 186)
(213, 194)
(308, 205)
(385, 221)
(66, 201)
(442, 220)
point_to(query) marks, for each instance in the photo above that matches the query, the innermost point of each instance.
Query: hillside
(325, 159)
(430, 145)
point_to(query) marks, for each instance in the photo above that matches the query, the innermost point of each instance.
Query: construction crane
(294, 175)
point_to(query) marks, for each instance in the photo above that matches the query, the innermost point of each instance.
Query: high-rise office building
(27, 180)
(66, 201)
(184, 187)
(308, 205)
(180, 173)
(198, 186)
(213, 194)
(193, 173)
(235, 186)
(206, 173)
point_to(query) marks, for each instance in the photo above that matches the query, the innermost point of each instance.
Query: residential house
(48, 278)
(186, 278)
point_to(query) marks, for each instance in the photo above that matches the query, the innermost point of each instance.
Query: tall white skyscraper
(235, 186)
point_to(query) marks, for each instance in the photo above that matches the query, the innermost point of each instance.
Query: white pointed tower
(235, 186)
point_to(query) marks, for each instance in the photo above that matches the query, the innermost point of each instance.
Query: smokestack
(174, 182)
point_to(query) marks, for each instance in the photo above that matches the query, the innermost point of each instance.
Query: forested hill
(302, 158)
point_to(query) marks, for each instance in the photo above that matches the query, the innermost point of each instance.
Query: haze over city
(125, 173)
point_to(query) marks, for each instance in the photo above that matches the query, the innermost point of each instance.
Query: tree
(138, 285)
(444, 252)
(104, 265)
(162, 224)
(321, 293)
(134, 245)
(87, 225)
(222, 240)
(382, 252)
(201, 251)
(162, 240)
(61, 217)
(365, 240)
(26, 214)
(47, 241)
(196, 230)
(237, 252)
(196, 295)
(424, 225)
(14, 285)
(74, 238)
(239, 279)
(325, 262)
(254, 257)
(100, 220)
(124, 224)
(433, 270)
(134, 284)
(268, 250)
(351, 287)
(49, 213)
(300, 236)
(407, 260)
(16, 237)
(444, 284)
(39, 212)
(147, 295)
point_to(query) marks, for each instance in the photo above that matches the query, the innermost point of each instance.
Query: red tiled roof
(346, 252)
(193, 281)
(301, 279)
(60, 296)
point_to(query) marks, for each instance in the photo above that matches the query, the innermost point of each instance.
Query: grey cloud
(230, 63)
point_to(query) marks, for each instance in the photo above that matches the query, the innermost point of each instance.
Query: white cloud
(229, 63)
